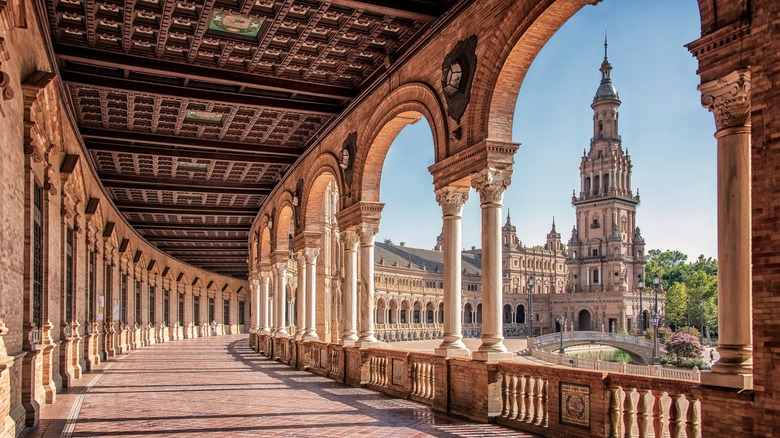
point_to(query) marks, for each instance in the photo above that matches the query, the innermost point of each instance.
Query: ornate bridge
(639, 348)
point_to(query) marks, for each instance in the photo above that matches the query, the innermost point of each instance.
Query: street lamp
(530, 286)
(562, 325)
(641, 319)
(656, 318)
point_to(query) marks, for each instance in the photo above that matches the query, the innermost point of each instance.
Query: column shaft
(452, 200)
(367, 233)
(349, 334)
(310, 331)
(300, 296)
(281, 300)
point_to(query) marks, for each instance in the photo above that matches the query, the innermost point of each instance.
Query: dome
(606, 91)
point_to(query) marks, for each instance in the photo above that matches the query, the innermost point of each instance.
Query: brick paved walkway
(219, 387)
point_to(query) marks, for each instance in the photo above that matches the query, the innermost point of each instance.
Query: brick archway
(403, 106)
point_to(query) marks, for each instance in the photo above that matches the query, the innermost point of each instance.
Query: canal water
(600, 352)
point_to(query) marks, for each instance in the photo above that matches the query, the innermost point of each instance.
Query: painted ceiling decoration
(193, 112)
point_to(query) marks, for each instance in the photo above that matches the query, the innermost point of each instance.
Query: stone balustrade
(546, 400)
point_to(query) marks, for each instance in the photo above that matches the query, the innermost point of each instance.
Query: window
(152, 319)
(123, 299)
(37, 295)
(138, 302)
(595, 252)
(211, 309)
(595, 276)
(91, 288)
(196, 309)
(68, 275)
(226, 312)
(109, 291)
(241, 313)
(181, 309)
(166, 305)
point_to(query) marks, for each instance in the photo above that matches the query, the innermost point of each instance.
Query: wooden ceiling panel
(194, 111)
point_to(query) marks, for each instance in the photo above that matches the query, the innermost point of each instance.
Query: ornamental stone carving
(491, 184)
(728, 98)
(367, 233)
(350, 239)
(452, 200)
(311, 254)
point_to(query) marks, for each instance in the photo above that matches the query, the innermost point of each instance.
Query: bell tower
(606, 250)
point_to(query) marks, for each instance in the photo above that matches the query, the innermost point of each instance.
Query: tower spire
(605, 45)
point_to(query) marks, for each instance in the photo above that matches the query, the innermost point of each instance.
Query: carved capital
(451, 199)
(367, 233)
(265, 274)
(491, 184)
(311, 254)
(728, 98)
(300, 257)
(350, 238)
(281, 268)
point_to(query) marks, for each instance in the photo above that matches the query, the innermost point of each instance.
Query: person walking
(213, 327)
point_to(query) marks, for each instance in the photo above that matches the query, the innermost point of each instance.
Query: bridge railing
(554, 338)
(617, 367)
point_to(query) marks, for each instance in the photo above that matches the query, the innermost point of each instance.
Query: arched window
(520, 314)
(606, 182)
(507, 314)
(601, 127)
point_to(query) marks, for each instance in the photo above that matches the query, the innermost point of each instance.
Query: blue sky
(666, 130)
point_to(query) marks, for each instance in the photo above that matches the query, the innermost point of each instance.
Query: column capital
(281, 268)
(311, 254)
(350, 238)
(728, 98)
(300, 257)
(367, 232)
(452, 199)
(491, 183)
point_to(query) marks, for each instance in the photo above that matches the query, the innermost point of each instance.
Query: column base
(452, 352)
(736, 381)
(311, 337)
(348, 342)
(491, 356)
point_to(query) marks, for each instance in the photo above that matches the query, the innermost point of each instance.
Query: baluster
(521, 398)
(513, 397)
(692, 421)
(429, 382)
(642, 414)
(629, 413)
(658, 414)
(529, 399)
(371, 365)
(538, 399)
(414, 378)
(545, 395)
(384, 371)
(506, 394)
(676, 419)
(614, 412)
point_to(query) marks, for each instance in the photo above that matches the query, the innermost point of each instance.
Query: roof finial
(553, 229)
(605, 45)
(507, 216)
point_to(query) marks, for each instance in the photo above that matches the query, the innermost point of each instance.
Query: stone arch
(281, 224)
(393, 306)
(513, 47)
(403, 106)
(380, 311)
(265, 243)
(326, 170)
(468, 312)
(507, 314)
(584, 321)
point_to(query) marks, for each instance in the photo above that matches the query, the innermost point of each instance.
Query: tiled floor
(219, 387)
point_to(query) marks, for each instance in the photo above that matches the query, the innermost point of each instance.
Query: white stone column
(452, 200)
(729, 99)
(281, 300)
(310, 330)
(491, 184)
(265, 280)
(255, 308)
(367, 233)
(349, 333)
(300, 297)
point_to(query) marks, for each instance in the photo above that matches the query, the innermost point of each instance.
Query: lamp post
(562, 325)
(641, 320)
(530, 286)
(656, 318)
